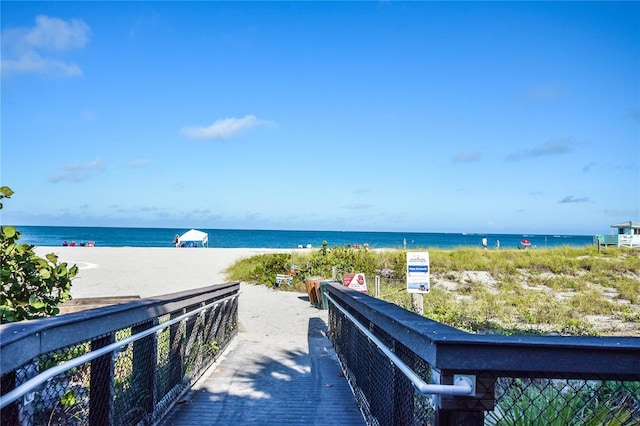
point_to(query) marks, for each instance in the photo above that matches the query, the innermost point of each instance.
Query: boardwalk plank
(281, 370)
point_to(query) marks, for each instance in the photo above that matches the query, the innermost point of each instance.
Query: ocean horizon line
(524, 234)
(280, 239)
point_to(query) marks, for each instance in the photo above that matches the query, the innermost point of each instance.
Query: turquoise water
(238, 238)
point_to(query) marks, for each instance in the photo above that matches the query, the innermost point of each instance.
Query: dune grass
(565, 290)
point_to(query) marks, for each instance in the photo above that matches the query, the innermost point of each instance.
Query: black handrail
(514, 375)
(24, 340)
(446, 347)
(118, 364)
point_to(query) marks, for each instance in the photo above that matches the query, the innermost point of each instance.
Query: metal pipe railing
(464, 384)
(48, 374)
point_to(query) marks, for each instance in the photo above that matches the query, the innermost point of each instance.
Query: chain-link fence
(514, 396)
(129, 376)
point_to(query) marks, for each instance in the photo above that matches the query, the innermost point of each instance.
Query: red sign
(355, 281)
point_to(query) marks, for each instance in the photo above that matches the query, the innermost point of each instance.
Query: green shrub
(32, 287)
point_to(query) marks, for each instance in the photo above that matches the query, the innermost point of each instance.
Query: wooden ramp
(281, 370)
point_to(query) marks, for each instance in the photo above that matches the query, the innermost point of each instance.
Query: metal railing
(463, 384)
(619, 240)
(124, 364)
(519, 380)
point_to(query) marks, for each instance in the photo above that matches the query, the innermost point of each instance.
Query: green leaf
(35, 303)
(8, 231)
(45, 274)
(61, 270)
(68, 399)
(7, 314)
(38, 305)
(73, 271)
(6, 191)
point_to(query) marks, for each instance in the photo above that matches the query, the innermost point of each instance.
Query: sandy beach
(146, 272)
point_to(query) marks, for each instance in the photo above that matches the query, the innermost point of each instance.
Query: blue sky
(379, 116)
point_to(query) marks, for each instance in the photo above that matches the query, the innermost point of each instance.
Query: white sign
(418, 272)
(355, 281)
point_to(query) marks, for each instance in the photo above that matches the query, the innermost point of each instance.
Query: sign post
(418, 272)
(418, 280)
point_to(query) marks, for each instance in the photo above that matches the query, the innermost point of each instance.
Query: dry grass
(550, 291)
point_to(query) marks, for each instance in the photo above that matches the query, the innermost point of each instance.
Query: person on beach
(497, 244)
(484, 243)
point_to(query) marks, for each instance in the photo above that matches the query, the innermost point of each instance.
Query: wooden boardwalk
(281, 370)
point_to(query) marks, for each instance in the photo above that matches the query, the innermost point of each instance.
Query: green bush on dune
(565, 290)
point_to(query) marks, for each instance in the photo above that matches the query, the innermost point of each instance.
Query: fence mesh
(134, 385)
(386, 397)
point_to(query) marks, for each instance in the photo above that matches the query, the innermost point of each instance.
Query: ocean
(242, 238)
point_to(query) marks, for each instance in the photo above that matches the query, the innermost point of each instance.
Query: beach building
(628, 235)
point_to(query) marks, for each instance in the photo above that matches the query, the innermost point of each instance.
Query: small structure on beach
(192, 237)
(628, 235)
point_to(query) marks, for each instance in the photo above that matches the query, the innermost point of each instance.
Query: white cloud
(31, 62)
(78, 172)
(553, 147)
(223, 129)
(57, 34)
(32, 49)
(572, 199)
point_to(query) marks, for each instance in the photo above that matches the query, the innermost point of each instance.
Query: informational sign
(355, 281)
(418, 272)
(281, 278)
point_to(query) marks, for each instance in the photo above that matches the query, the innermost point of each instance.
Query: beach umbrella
(525, 243)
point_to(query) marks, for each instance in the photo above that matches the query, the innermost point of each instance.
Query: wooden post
(417, 303)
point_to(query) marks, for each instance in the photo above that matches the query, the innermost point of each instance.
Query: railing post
(101, 385)
(191, 351)
(403, 393)
(175, 353)
(463, 410)
(8, 383)
(144, 366)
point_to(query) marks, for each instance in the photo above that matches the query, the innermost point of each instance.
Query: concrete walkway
(281, 370)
